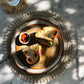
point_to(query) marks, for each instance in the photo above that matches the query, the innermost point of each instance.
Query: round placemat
(13, 6)
(69, 46)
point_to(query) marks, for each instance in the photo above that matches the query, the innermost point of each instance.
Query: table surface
(72, 11)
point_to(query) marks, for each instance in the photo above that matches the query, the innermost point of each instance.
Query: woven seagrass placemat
(69, 46)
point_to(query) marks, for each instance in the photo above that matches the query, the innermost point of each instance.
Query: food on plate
(31, 53)
(48, 33)
(24, 38)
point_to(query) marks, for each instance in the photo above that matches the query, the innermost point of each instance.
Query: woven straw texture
(69, 46)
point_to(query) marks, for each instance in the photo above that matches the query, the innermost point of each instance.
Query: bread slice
(31, 53)
(46, 33)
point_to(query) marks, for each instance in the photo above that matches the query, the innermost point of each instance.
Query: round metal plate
(32, 27)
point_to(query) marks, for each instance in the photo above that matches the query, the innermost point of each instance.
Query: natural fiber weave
(13, 9)
(69, 46)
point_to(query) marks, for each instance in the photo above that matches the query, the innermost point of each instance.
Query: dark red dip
(24, 38)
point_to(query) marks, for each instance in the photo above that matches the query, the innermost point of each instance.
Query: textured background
(72, 11)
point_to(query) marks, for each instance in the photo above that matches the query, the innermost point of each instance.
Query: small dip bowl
(24, 38)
